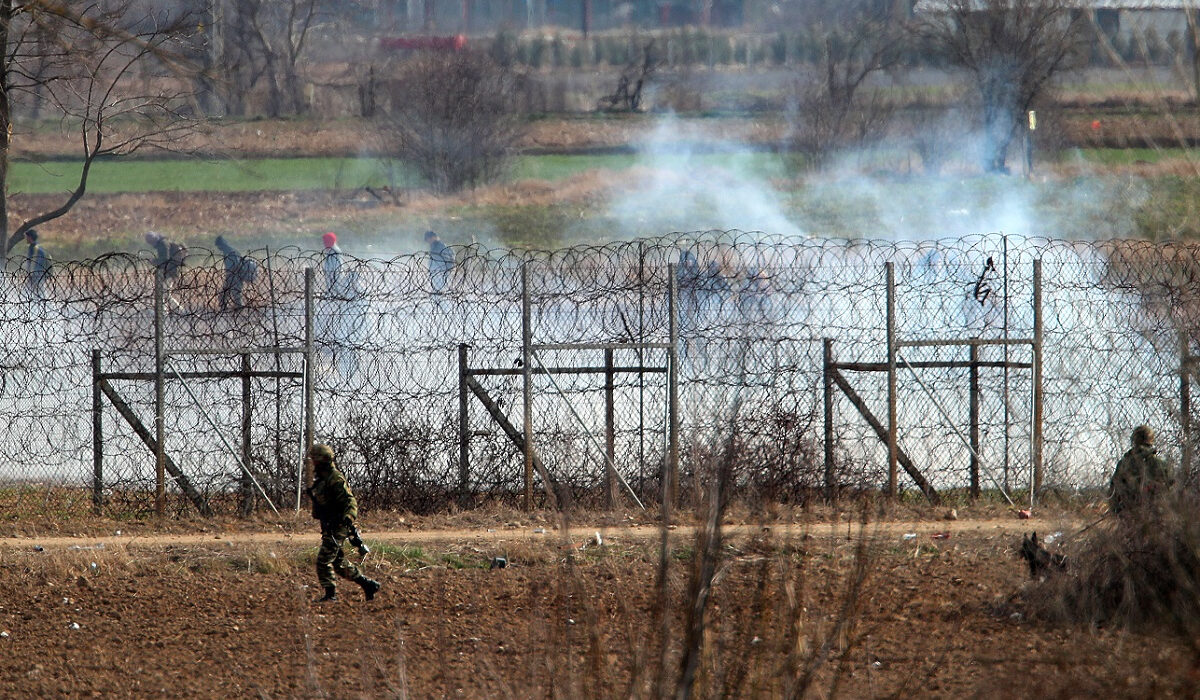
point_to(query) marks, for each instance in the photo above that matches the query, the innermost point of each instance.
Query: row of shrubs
(700, 47)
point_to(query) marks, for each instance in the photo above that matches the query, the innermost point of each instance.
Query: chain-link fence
(418, 372)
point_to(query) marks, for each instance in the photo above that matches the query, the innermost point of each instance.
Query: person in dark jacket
(239, 270)
(334, 505)
(37, 265)
(1141, 478)
(441, 262)
(169, 256)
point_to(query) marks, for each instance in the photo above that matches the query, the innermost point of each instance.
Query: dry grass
(1140, 571)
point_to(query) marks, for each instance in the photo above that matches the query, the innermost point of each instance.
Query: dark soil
(233, 615)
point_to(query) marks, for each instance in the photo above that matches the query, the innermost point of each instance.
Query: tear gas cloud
(677, 185)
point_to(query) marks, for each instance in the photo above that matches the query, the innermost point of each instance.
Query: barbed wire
(753, 310)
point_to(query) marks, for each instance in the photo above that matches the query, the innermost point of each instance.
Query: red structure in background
(458, 42)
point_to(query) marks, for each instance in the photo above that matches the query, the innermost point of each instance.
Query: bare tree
(831, 107)
(108, 73)
(261, 42)
(453, 117)
(1012, 49)
(627, 97)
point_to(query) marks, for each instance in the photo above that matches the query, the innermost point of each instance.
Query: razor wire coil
(1118, 319)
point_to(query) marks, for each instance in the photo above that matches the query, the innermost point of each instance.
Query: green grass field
(716, 190)
(117, 176)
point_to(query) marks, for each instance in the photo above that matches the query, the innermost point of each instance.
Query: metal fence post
(160, 397)
(1038, 466)
(309, 356)
(527, 381)
(310, 422)
(97, 437)
(891, 378)
(464, 430)
(247, 506)
(1185, 404)
(973, 418)
(828, 390)
(671, 475)
(610, 437)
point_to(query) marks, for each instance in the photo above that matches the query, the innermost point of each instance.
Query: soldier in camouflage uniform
(334, 505)
(1142, 478)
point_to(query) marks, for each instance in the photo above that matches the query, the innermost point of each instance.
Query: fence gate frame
(889, 434)
(524, 439)
(156, 442)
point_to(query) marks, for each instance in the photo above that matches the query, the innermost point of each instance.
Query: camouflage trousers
(330, 557)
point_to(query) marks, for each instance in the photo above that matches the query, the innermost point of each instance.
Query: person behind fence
(239, 271)
(37, 266)
(169, 256)
(1141, 478)
(441, 262)
(753, 296)
(687, 280)
(331, 262)
(343, 313)
(334, 505)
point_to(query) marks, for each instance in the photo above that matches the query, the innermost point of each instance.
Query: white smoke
(674, 187)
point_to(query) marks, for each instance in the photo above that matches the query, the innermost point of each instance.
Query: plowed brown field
(231, 613)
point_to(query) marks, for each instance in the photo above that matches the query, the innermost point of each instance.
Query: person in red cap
(331, 263)
(344, 312)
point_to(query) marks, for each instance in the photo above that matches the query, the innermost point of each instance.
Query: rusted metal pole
(97, 437)
(160, 398)
(891, 378)
(527, 380)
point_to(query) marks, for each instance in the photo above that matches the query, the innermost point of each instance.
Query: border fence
(600, 374)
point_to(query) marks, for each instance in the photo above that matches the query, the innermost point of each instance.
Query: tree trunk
(6, 13)
(997, 135)
(1193, 20)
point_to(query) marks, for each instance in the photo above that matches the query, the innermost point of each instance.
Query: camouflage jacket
(332, 501)
(1141, 476)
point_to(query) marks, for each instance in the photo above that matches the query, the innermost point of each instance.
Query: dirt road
(883, 529)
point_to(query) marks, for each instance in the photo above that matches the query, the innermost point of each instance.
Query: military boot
(330, 595)
(370, 587)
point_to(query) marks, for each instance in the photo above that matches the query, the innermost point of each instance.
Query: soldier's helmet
(1143, 435)
(321, 454)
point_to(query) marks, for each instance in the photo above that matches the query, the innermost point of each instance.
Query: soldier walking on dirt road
(334, 505)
